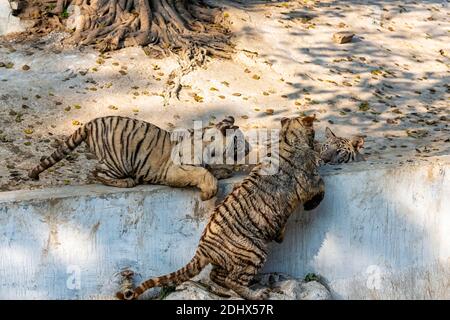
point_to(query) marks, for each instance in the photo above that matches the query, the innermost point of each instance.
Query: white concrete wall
(380, 233)
(8, 23)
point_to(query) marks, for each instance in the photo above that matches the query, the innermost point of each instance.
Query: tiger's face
(337, 150)
(295, 130)
(221, 143)
(225, 142)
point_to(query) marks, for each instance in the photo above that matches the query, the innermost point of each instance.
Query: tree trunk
(162, 25)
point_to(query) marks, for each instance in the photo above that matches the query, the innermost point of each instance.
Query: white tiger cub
(132, 152)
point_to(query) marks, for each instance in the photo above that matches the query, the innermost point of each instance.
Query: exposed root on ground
(189, 29)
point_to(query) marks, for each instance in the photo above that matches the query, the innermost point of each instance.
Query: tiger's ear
(329, 133)
(226, 123)
(284, 120)
(357, 142)
(229, 120)
(308, 121)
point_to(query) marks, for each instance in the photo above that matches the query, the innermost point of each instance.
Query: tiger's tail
(190, 270)
(67, 147)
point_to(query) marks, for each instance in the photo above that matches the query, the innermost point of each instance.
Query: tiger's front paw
(208, 187)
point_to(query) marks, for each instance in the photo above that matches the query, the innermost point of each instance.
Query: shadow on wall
(376, 235)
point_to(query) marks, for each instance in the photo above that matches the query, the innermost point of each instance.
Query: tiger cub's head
(232, 145)
(215, 144)
(337, 150)
(298, 129)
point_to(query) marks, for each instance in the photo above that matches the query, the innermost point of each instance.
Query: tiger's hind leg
(239, 284)
(102, 177)
(218, 276)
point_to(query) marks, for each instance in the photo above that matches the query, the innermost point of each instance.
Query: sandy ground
(391, 83)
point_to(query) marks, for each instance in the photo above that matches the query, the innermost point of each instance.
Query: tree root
(187, 62)
(173, 26)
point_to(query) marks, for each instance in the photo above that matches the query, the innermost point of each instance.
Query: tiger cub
(337, 150)
(134, 152)
(235, 240)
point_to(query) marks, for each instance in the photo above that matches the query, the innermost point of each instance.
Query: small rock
(191, 291)
(364, 106)
(343, 37)
(418, 133)
(281, 287)
(314, 290)
(391, 121)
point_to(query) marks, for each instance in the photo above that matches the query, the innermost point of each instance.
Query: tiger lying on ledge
(134, 152)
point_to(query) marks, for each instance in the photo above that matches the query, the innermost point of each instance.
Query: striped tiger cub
(235, 240)
(335, 149)
(134, 152)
